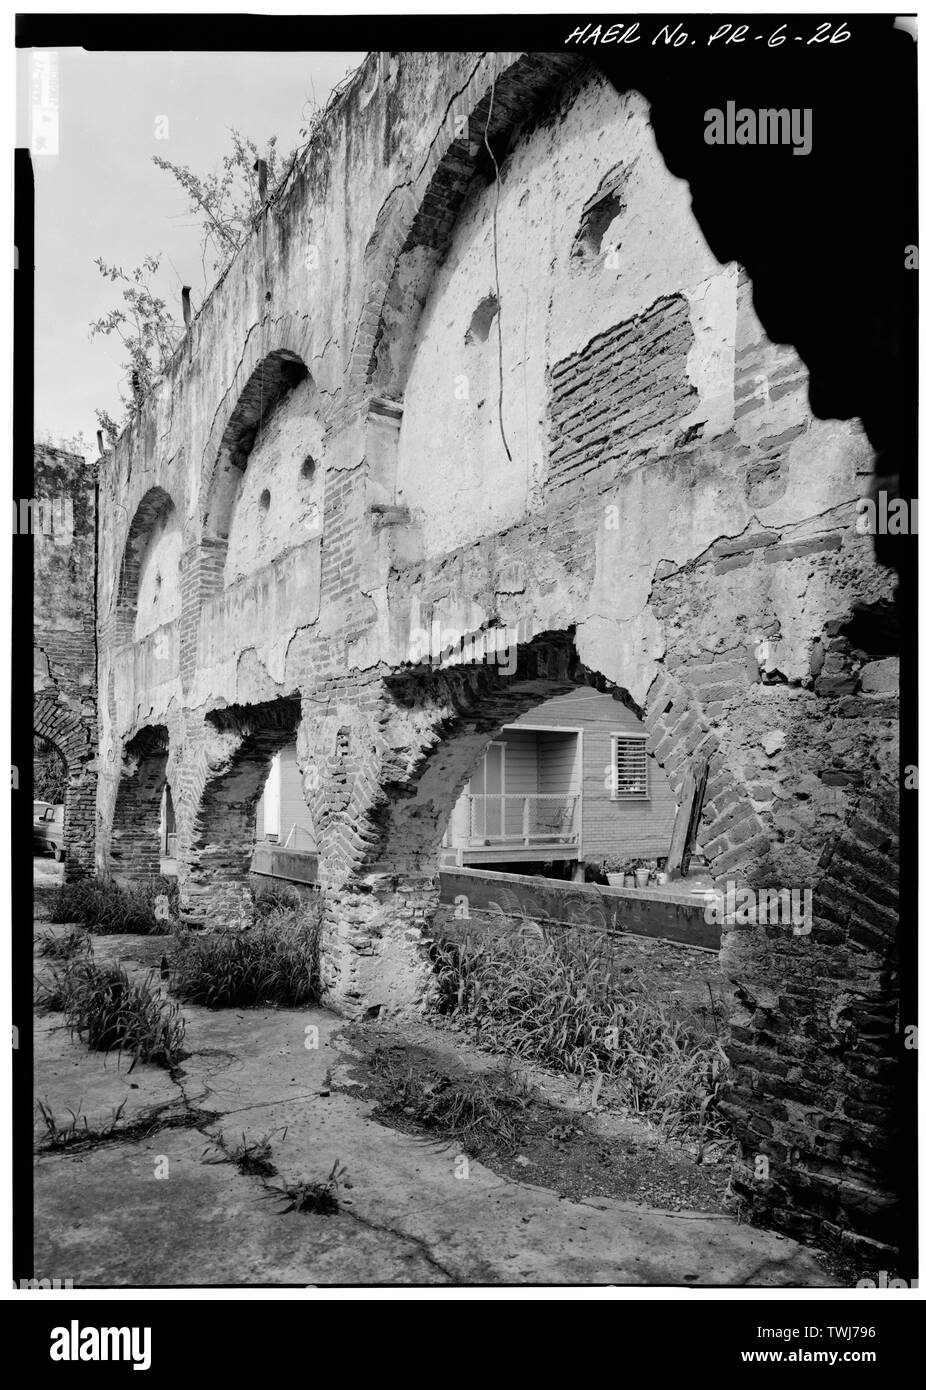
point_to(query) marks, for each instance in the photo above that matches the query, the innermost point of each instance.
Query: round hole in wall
(264, 502)
(307, 471)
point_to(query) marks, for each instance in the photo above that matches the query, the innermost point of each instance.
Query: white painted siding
(289, 804)
(520, 762)
(619, 828)
(558, 762)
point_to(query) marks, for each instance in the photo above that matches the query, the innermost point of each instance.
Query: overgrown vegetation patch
(63, 946)
(478, 1110)
(106, 909)
(276, 961)
(565, 1001)
(111, 1012)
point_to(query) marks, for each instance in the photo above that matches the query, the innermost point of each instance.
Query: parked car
(48, 829)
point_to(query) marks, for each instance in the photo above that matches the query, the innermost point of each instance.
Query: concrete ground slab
(154, 1208)
(155, 1204)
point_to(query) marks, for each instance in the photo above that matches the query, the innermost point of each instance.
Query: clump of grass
(274, 962)
(562, 1000)
(65, 947)
(106, 909)
(109, 1012)
(51, 993)
(322, 1198)
(252, 1158)
(475, 1109)
(75, 1130)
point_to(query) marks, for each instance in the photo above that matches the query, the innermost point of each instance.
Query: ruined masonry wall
(672, 525)
(64, 661)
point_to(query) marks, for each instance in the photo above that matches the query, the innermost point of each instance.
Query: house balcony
(502, 827)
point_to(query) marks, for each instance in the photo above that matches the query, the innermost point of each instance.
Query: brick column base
(375, 939)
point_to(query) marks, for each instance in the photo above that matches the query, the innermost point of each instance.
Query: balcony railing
(515, 818)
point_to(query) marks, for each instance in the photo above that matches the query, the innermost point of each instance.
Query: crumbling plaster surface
(159, 577)
(671, 513)
(264, 527)
(551, 303)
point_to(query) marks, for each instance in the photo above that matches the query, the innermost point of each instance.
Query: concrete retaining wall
(655, 912)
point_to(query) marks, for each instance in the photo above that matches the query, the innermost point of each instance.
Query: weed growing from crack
(318, 1197)
(253, 1159)
(274, 962)
(75, 1130)
(110, 1012)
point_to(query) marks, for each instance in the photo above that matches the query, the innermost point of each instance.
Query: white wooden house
(572, 780)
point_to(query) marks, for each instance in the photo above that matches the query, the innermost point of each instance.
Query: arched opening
(568, 790)
(168, 831)
(63, 746)
(286, 848)
(441, 719)
(49, 793)
(148, 586)
(137, 835)
(283, 818)
(259, 500)
(49, 771)
(242, 742)
(542, 710)
(513, 745)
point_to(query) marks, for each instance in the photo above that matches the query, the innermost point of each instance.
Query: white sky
(102, 195)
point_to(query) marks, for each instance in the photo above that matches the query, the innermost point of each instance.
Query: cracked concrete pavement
(148, 1204)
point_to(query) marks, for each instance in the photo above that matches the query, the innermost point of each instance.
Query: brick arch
(135, 852)
(74, 739)
(414, 232)
(458, 710)
(383, 818)
(62, 727)
(217, 834)
(154, 508)
(272, 378)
